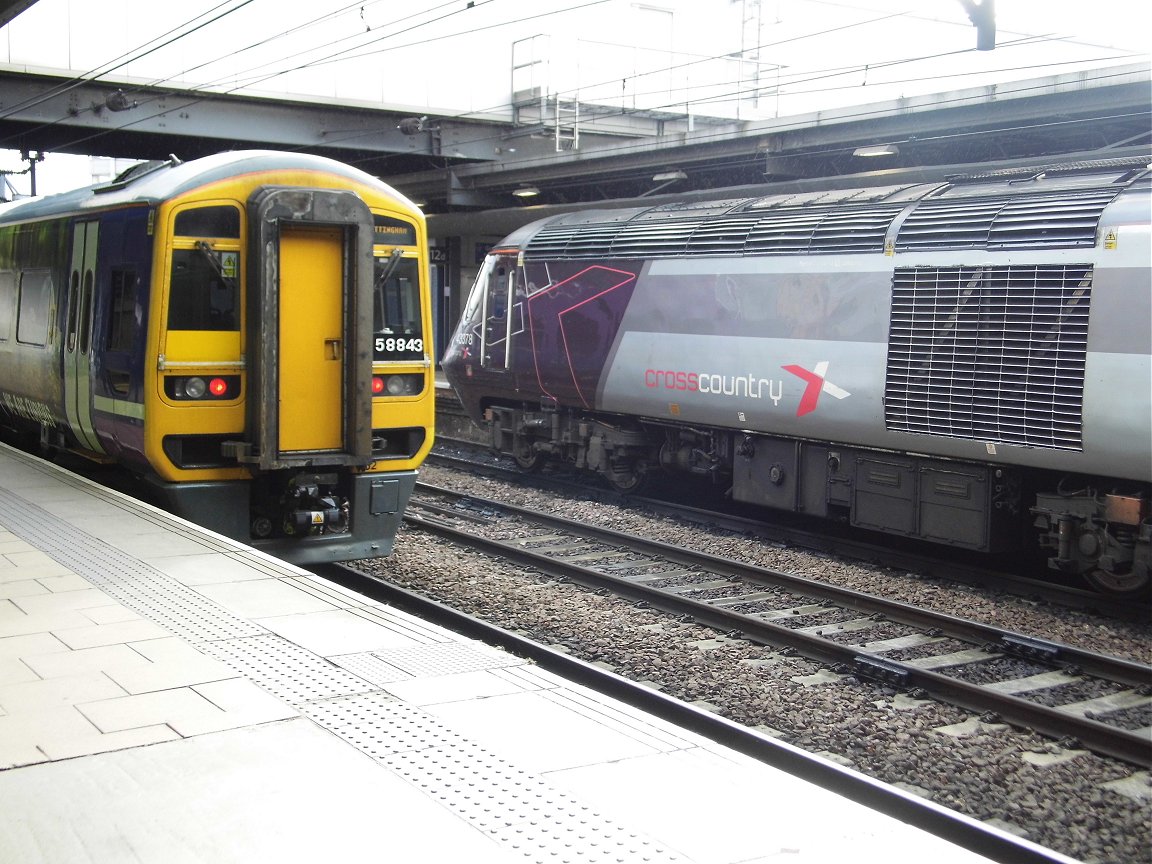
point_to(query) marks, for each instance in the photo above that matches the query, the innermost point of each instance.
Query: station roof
(9, 9)
(457, 164)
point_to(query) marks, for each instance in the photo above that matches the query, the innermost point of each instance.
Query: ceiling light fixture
(877, 150)
(668, 176)
(526, 192)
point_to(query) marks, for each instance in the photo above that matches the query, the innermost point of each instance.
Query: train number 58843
(397, 345)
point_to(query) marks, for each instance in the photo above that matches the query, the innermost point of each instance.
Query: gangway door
(309, 337)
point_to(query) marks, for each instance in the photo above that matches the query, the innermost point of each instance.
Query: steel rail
(1092, 734)
(859, 549)
(964, 831)
(1113, 668)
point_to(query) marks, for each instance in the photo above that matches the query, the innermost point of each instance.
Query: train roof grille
(807, 231)
(1066, 219)
(653, 239)
(692, 208)
(1128, 165)
(833, 197)
(725, 236)
(781, 232)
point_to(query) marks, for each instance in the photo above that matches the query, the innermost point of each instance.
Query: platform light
(877, 150)
(526, 192)
(668, 176)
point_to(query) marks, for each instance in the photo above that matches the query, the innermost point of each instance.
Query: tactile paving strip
(444, 658)
(519, 810)
(371, 668)
(285, 669)
(380, 725)
(141, 588)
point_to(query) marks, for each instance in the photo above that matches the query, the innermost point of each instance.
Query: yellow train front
(249, 332)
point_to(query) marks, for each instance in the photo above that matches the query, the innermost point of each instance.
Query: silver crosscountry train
(965, 362)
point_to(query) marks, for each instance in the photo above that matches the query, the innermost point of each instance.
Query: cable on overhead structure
(260, 79)
(96, 72)
(796, 79)
(807, 79)
(89, 77)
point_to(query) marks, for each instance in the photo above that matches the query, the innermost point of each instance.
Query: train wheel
(533, 460)
(1131, 584)
(628, 482)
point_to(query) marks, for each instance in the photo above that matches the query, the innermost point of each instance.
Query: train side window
(122, 320)
(398, 330)
(203, 294)
(73, 294)
(85, 322)
(35, 306)
(7, 304)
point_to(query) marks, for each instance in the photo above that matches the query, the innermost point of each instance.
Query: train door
(500, 313)
(78, 335)
(311, 349)
(309, 328)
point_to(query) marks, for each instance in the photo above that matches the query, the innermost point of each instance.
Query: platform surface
(167, 695)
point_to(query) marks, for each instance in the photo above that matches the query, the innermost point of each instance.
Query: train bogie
(245, 332)
(959, 363)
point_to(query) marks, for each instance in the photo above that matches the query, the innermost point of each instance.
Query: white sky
(436, 57)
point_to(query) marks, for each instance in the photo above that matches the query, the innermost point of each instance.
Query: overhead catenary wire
(136, 54)
(715, 97)
(344, 55)
(787, 80)
(701, 138)
(735, 94)
(472, 4)
(124, 59)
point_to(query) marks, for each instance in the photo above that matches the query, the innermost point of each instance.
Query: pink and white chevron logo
(817, 384)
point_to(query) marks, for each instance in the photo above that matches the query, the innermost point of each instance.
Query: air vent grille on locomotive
(1065, 219)
(995, 354)
(790, 231)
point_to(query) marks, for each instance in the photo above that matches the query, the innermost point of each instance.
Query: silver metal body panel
(839, 307)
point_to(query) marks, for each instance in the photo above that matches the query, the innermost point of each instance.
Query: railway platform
(168, 695)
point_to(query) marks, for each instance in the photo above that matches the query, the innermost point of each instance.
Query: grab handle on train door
(332, 349)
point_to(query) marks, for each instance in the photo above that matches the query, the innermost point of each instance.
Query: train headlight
(397, 385)
(195, 388)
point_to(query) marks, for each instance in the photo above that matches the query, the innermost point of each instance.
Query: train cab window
(217, 221)
(204, 294)
(398, 332)
(498, 301)
(35, 304)
(7, 304)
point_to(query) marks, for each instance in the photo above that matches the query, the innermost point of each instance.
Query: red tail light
(400, 384)
(218, 387)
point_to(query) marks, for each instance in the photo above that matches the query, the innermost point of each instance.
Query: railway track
(1084, 699)
(474, 458)
(986, 839)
